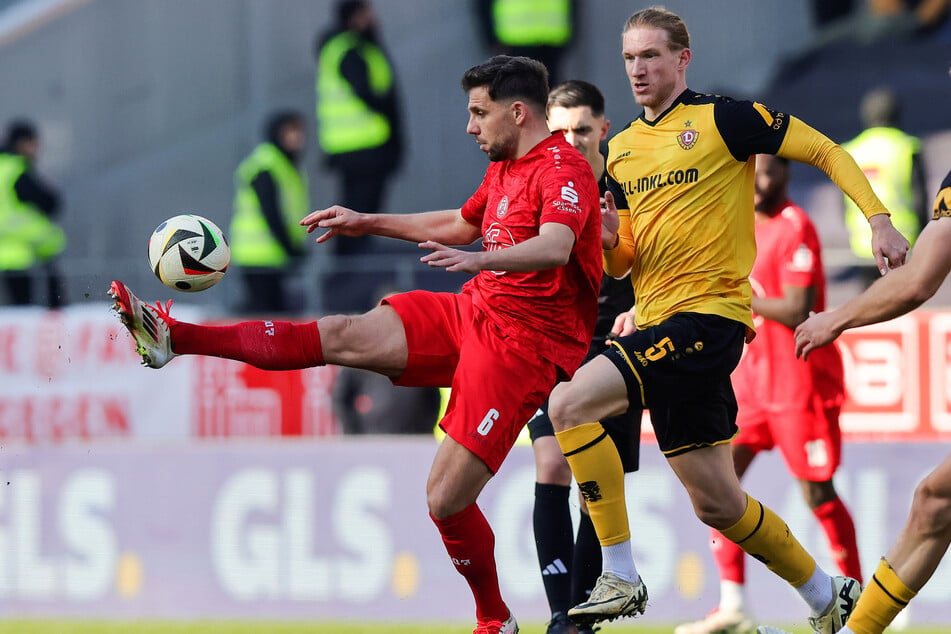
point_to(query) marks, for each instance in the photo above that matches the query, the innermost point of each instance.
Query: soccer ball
(189, 253)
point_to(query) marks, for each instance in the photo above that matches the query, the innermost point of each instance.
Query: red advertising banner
(72, 374)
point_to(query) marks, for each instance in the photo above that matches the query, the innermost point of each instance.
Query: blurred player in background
(570, 565)
(783, 402)
(924, 539)
(520, 325)
(270, 199)
(683, 175)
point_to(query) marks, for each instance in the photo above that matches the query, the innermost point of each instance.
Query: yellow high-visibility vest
(885, 156)
(345, 122)
(532, 22)
(250, 238)
(26, 234)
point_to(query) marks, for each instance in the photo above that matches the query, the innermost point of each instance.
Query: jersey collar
(684, 97)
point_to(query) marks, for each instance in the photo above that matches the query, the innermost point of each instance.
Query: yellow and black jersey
(686, 180)
(942, 203)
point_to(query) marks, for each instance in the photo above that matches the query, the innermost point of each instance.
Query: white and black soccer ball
(189, 253)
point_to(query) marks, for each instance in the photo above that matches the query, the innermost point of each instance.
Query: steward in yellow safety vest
(358, 119)
(271, 196)
(891, 160)
(28, 236)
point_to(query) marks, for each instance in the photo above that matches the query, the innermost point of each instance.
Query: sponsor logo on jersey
(502, 207)
(569, 199)
(673, 177)
(496, 237)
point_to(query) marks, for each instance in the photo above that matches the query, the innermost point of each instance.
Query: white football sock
(817, 592)
(618, 559)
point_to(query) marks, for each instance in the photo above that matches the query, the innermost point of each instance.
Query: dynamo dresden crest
(688, 138)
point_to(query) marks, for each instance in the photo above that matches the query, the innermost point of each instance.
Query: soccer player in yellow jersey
(682, 177)
(924, 540)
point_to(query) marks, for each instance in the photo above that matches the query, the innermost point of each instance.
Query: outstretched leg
(373, 341)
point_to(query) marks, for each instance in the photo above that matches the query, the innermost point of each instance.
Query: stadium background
(117, 479)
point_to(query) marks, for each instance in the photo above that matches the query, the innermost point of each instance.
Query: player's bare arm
(897, 293)
(550, 248)
(789, 310)
(445, 226)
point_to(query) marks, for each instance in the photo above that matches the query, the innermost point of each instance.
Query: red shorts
(809, 439)
(497, 382)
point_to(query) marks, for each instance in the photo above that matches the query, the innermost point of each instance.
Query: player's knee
(562, 409)
(551, 467)
(717, 511)
(931, 508)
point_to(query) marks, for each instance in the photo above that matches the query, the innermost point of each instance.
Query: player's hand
(888, 246)
(339, 221)
(453, 260)
(817, 331)
(609, 222)
(623, 325)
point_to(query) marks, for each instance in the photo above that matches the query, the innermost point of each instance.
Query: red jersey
(551, 183)
(788, 253)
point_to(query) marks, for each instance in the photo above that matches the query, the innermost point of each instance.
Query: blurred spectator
(365, 402)
(540, 29)
(271, 197)
(891, 160)
(30, 240)
(358, 114)
(874, 20)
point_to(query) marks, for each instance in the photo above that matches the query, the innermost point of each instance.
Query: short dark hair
(576, 93)
(20, 130)
(346, 9)
(279, 120)
(510, 78)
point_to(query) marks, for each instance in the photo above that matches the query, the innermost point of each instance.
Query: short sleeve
(942, 203)
(620, 198)
(473, 209)
(750, 128)
(565, 193)
(801, 257)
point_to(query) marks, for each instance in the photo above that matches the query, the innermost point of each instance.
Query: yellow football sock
(765, 536)
(881, 601)
(597, 467)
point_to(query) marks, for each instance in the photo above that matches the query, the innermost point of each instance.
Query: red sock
(269, 345)
(729, 558)
(837, 523)
(470, 543)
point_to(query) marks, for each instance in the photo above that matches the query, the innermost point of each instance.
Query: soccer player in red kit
(520, 325)
(782, 401)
